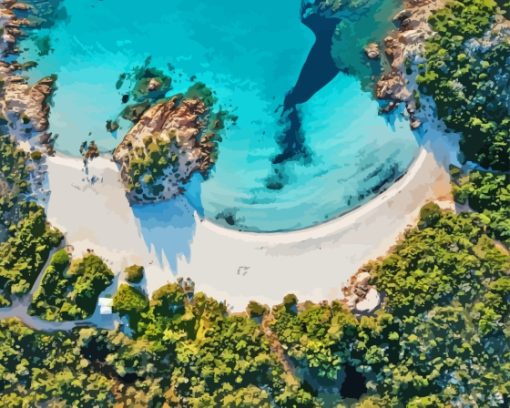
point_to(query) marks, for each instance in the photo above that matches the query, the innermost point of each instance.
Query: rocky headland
(404, 49)
(24, 107)
(173, 139)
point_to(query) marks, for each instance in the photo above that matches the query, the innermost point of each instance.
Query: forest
(441, 337)
(466, 72)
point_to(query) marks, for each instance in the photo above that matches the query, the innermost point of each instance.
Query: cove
(254, 56)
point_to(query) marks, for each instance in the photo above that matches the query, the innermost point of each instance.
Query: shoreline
(171, 241)
(333, 223)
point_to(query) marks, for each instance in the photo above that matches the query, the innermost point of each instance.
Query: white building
(105, 306)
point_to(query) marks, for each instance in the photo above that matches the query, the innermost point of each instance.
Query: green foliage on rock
(69, 291)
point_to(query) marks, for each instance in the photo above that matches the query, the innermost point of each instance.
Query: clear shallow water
(251, 56)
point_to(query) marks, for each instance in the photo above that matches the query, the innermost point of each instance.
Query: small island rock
(372, 51)
(172, 140)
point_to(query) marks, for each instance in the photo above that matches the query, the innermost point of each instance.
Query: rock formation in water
(27, 104)
(403, 49)
(173, 140)
(23, 106)
(372, 50)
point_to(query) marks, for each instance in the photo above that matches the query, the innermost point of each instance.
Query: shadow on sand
(168, 227)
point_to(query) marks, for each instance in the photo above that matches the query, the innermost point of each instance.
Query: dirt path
(278, 351)
(19, 310)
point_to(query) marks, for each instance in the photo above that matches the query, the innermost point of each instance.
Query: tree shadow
(168, 227)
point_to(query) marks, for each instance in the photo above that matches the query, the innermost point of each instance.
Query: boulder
(372, 51)
(370, 303)
(392, 86)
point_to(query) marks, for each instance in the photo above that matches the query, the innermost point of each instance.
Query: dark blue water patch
(292, 140)
(318, 70)
(229, 217)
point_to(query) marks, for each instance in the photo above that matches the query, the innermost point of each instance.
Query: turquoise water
(251, 56)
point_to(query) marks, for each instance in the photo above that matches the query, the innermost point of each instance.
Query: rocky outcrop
(11, 25)
(25, 107)
(392, 86)
(403, 48)
(27, 104)
(172, 140)
(360, 296)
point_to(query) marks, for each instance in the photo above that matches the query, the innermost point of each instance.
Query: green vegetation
(488, 194)
(70, 292)
(442, 337)
(134, 273)
(130, 301)
(318, 338)
(256, 310)
(149, 164)
(26, 239)
(169, 300)
(13, 176)
(469, 80)
(38, 369)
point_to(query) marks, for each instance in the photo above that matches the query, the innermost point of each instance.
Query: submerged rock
(372, 51)
(172, 140)
(112, 126)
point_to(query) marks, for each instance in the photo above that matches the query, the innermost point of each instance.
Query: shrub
(290, 302)
(134, 273)
(130, 301)
(168, 299)
(256, 310)
(36, 156)
(430, 214)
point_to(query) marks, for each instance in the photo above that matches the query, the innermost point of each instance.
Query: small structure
(105, 306)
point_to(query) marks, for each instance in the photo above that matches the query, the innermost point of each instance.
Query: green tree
(134, 273)
(130, 301)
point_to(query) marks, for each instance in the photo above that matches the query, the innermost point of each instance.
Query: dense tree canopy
(26, 239)
(468, 75)
(69, 290)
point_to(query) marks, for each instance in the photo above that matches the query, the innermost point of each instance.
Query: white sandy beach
(170, 240)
